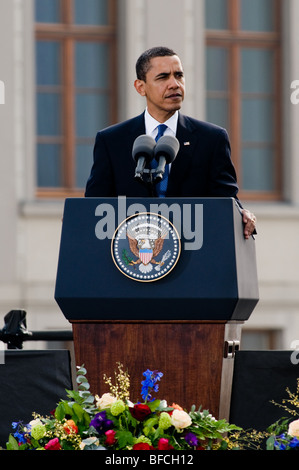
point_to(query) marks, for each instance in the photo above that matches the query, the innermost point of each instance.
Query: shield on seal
(145, 254)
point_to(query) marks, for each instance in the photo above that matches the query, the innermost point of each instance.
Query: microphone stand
(149, 182)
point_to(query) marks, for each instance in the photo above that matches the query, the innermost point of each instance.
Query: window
(243, 88)
(75, 86)
(261, 339)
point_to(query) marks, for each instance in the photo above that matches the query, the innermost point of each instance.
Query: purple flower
(191, 439)
(278, 444)
(20, 433)
(150, 383)
(101, 423)
(20, 437)
(294, 442)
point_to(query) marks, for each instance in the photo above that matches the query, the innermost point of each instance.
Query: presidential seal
(145, 247)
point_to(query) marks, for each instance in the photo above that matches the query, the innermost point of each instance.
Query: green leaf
(60, 412)
(81, 378)
(153, 405)
(78, 410)
(279, 426)
(83, 383)
(73, 394)
(84, 386)
(124, 439)
(270, 443)
(158, 433)
(81, 370)
(223, 445)
(151, 422)
(12, 443)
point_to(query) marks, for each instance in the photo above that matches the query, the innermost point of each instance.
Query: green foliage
(124, 438)
(207, 427)
(126, 258)
(279, 428)
(80, 405)
(12, 444)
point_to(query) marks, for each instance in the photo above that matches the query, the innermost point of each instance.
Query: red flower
(142, 446)
(53, 444)
(110, 437)
(163, 444)
(140, 412)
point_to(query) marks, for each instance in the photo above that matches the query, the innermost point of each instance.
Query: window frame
(235, 40)
(273, 337)
(68, 33)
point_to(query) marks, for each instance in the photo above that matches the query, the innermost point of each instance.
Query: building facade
(67, 69)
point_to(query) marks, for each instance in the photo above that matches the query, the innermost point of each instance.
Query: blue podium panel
(207, 271)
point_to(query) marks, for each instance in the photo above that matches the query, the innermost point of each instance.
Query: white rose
(180, 419)
(105, 401)
(294, 428)
(34, 422)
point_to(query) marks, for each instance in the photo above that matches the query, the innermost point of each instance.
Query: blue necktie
(162, 186)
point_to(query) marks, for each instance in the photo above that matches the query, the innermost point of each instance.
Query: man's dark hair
(143, 63)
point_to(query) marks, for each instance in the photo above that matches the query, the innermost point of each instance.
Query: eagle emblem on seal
(146, 243)
(146, 247)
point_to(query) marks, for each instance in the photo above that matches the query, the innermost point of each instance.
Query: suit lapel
(186, 137)
(134, 128)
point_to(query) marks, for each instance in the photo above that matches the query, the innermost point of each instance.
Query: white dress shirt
(151, 124)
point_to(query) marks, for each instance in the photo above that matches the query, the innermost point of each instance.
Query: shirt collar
(151, 123)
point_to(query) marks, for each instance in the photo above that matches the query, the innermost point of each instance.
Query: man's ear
(140, 87)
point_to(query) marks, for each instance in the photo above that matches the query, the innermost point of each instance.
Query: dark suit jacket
(202, 168)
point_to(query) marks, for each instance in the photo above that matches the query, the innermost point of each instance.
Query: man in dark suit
(202, 167)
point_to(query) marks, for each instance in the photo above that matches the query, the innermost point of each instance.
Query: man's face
(164, 87)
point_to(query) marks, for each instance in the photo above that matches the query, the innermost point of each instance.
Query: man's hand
(249, 221)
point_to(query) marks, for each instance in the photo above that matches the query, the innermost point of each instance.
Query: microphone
(166, 150)
(142, 153)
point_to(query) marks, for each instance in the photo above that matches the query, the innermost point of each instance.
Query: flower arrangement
(284, 434)
(113, 422)
(152, 424)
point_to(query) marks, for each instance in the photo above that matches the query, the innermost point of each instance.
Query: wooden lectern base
(191, 355)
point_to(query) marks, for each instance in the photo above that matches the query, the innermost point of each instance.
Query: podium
(180, 312)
